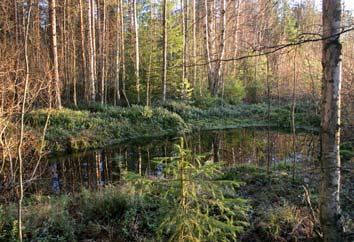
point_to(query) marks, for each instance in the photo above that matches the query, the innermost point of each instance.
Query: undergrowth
(96, 126)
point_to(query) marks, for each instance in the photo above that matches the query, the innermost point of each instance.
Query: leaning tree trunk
(330, 215)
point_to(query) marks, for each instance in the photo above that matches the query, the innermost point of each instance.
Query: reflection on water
(94, 169)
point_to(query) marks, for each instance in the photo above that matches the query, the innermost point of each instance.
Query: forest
(177, 120)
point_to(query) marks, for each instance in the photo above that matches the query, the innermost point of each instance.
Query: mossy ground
(95, 126)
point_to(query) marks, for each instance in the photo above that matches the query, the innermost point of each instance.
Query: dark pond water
(94, 169)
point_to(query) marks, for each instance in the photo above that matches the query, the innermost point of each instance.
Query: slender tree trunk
(184, 43)
(165, 41)
(236, 36)
(74, 71)
(93, 26)
(20, 144)
(269, 157)
(151, 37)
(293, 106)
(136, 46)
(91, 52)
(103, 48)
(123, 50)
(83, 50)
(64, 52)
(207, 44)
(52, 7)
(220, 63)
(194, 44)
(330, 215)
(118, 48)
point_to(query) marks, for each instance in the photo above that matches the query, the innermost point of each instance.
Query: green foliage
(195, 203)
(346, 151)
(304, 116)
(185, 90)
(8, 227)
(234, 91)
(253, 90)
(48, 219)
(281, 220)
(95, 125)
(289, 22)
(206, 101)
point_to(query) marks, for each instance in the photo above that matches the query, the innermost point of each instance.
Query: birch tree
(136, 47)
(91, 51)
(330, 215)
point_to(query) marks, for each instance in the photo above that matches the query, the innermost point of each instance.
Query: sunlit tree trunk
(103, 49)
(23, 109)
(83, 49)
(136, 46)
(330, 215)
(206, 37)
(121, 11)
(221, 51)
(53, 23)
(91, 51)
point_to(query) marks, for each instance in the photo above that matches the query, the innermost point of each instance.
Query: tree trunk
(118, 53)
(293, 106)
(52, 7)
(83, 49)
(194, 44)
(103, 49)
(184, 40)
(207, 44)
(23, 109)
(330, 215)
(151, 37)
(164, 64)
(136, 46)
(91, 52)
(123, 49)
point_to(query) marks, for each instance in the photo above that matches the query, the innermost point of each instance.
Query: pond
(94, 169)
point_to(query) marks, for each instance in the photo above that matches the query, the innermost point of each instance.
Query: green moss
(97, 126)
(94, 125)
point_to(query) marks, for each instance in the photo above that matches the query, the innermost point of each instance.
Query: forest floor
(280, 209)
(95, 126)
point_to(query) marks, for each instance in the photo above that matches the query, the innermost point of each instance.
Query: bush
(8, 227)
(48, 219)
(234, 91)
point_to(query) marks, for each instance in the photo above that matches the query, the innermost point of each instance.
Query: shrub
(234, 91)
(49, 219)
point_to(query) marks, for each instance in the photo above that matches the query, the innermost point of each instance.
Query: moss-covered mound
(96, 127)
